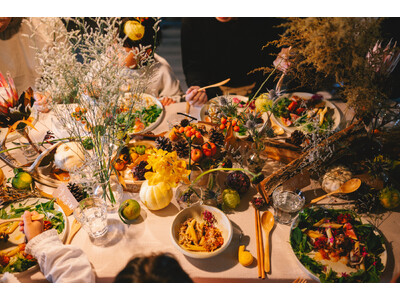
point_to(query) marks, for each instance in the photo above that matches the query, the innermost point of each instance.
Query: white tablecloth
(152, 235)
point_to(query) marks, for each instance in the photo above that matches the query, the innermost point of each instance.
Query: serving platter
(324, 268)
(336, 113)
(17, 237)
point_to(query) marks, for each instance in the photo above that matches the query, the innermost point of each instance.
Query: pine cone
(182, 148)
(296, 138)
(163, 143)
(77, 191)
(217, 137)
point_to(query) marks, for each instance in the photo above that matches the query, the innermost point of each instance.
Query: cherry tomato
(223, 120)
(234, 122)
(198, 134)
(222, 127)
(236, 128)
(181, 129)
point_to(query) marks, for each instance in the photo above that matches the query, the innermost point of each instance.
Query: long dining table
(152, 233)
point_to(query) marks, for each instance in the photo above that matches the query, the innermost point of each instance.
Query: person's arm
(168, 84)
(58, 262)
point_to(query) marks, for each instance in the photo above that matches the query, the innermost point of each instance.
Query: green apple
(22, 181)
(130, 209)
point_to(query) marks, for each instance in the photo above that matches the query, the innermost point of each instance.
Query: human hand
(196, 97)
(282, 62)
(29, 227)
(167, 101)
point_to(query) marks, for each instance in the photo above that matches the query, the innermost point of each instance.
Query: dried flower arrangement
(348, 52)
(87, 93)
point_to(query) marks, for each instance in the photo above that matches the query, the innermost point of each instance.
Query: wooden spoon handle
(214, 85)
(76, 226)
(267, 264)
(34, 218)
(322, 197)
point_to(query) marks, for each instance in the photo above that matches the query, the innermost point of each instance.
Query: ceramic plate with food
(217, 112)
(338, 246)
(13, 259)
(208, 110)
(148, 112)
(305, 112)
(201, 231)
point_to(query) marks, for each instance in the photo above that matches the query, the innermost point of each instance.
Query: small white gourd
(155, 197)
(335, 177)
(69, 156)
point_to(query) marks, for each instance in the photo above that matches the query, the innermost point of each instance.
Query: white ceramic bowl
(196, 211)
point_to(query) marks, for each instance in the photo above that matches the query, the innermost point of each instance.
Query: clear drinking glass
(92, 214)
(286, 205)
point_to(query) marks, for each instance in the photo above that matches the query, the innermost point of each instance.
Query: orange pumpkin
(209, 149)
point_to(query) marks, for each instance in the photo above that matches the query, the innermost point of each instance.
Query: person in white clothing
(139, 34)
(59, 263)
(18, 39)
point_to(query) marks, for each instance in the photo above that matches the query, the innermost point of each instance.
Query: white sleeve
(59, 262)
(169, 85)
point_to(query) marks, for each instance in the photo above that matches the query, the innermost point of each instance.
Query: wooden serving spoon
(74, 229)
(34, 218)
(267, 222)
(348, 187)
(214, 85)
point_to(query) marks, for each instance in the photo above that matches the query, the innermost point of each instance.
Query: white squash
(69, 156)
(335, 177)
(155, 197)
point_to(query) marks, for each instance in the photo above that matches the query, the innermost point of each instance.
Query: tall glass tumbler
(92, 214)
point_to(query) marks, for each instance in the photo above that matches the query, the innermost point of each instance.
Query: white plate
(196, 211)
(338, 267)
(17, 237)
(205, 107)
(60, 132)
(159, 119)
(336, 113)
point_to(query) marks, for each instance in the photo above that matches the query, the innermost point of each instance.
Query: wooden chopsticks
(260, 248)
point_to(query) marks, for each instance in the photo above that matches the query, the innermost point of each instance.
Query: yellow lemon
(245, 257)
(134, 30)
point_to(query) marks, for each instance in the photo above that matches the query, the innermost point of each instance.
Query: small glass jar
(286, 205)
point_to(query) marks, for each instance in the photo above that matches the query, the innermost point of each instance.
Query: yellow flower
(167, 167)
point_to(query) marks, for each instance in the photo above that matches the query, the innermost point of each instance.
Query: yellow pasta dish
(199, 237)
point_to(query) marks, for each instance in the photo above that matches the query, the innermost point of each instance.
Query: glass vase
(255, 161)
(111, 192)
(187, 195)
